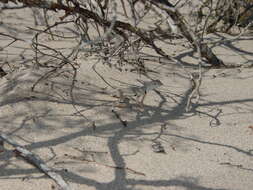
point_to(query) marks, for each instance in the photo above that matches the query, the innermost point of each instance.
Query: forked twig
(196, 80)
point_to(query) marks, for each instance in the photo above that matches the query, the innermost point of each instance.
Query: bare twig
(124, 122)
(106, 165)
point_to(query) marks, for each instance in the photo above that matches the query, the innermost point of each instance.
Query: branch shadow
(160, 114)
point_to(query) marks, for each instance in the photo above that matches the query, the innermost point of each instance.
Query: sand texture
(71, 126)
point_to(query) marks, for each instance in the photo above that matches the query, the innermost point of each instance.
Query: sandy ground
(209, 148)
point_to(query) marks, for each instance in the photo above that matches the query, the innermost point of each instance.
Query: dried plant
(113, 30)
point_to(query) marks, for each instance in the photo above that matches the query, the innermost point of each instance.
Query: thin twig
(106, 165)
(124, 122)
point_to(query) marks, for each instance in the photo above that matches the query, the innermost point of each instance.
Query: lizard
(136, 93)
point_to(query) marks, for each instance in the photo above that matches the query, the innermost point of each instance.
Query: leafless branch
(35, 160)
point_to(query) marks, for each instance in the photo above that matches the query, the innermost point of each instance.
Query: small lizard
(137, 94)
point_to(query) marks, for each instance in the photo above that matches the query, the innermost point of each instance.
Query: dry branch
(119, 27)
(96, 14)
(186, 31)
(36, 161)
